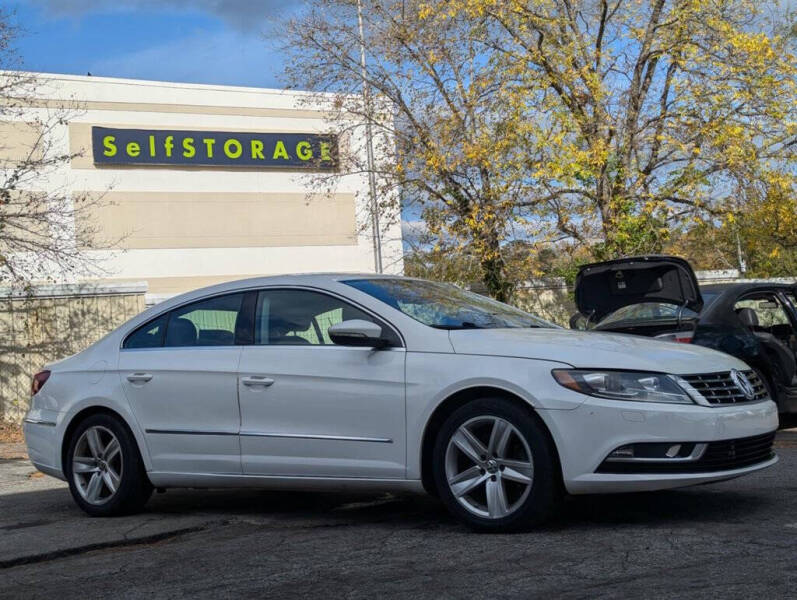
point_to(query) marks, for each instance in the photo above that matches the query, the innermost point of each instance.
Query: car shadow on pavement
(669, 507)
(313, 509)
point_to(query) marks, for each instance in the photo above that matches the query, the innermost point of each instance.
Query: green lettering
(133, 149)
(232, 153)
(188, 148)
(168, 144)
(280, 151)
(152, 145)
(325, 152)
(209, 145)
(304, 151)
(110, 147)
(257, 149)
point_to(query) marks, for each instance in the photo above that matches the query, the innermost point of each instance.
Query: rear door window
(219, 321)
(210, 322)
(149, 335)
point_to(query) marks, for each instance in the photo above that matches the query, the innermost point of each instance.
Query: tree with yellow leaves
(602, 123)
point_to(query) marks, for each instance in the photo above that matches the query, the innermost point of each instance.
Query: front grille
(719, 388)
(718, 456)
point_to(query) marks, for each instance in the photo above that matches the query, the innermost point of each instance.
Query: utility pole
(739, 255)
(369, 147)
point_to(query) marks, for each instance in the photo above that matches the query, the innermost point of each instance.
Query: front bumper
(604, 483)
(585, 436)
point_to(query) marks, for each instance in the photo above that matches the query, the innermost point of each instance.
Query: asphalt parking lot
(736, 539)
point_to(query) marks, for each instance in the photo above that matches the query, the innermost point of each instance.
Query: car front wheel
(104, 468)
(494, 466)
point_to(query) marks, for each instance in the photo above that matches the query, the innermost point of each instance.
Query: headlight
(620, 385)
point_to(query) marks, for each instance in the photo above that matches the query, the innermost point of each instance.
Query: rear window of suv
(649, 311)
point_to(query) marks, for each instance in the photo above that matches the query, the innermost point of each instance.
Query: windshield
(446, 306)
(648, 311)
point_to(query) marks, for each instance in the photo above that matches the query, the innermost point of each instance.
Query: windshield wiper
(463, 325)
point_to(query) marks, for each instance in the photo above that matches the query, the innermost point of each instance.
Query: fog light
(623, 452)
(657, 451)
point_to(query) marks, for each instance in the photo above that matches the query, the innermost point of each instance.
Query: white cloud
(225, 58)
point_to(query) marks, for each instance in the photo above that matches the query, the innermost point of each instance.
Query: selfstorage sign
(290, 151)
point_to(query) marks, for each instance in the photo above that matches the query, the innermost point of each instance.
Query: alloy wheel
(489, 467)
(97, 465)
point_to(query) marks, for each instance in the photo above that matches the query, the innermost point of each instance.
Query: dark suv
(658, 296)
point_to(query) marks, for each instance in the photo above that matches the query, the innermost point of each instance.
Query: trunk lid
(604, 287)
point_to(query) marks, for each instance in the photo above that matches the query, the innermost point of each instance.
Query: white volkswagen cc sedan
(388, 383)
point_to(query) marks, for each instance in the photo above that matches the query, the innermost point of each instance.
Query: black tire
(545, 490)
(134, 488)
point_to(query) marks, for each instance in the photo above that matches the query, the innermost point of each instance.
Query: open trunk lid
(602, 288)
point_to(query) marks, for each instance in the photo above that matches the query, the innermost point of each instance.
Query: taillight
(39, 379)
(682, 337)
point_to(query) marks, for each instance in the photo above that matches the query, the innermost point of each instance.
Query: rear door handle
(255, 380)
(139, 377)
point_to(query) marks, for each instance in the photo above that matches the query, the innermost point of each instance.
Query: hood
(602, 288)
(590, 349)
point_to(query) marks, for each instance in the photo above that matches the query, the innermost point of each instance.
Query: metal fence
(52, 322)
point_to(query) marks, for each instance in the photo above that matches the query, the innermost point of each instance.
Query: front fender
(433, 378)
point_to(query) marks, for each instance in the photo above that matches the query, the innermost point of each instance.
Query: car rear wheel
(104, 469)
(494, 466)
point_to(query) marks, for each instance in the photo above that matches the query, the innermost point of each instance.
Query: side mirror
(357, 332)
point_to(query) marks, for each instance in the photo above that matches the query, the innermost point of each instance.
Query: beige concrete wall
(169, 286)
(36, 330)
(18, 139)
(177, 108)
(143, 220)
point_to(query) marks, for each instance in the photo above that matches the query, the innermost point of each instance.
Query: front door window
(303, 317)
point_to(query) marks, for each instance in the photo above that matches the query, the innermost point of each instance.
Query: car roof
(288, 279)
(301, 279)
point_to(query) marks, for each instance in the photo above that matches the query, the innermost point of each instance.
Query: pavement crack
(136, 527)
(24, 525)
(67, 552)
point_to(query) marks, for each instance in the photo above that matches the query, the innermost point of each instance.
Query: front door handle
(255, 380)
(139, 377)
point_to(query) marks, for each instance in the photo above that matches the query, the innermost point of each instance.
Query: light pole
(739, 255)
(369, 146)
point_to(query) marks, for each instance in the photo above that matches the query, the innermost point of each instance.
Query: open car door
(602, 288)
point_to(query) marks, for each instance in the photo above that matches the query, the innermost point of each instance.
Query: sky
(227, 42)
(230, 42)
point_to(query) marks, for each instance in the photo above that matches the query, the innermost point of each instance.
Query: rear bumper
(41, 437)
(587, 435)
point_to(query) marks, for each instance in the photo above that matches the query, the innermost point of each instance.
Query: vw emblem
(743, 383)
